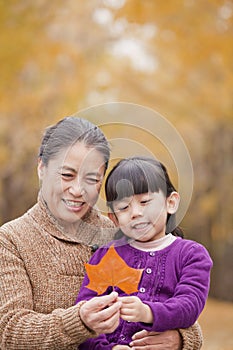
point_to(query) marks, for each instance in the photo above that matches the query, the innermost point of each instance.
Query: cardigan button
(142, 290)
(152, 254)
(148, 270)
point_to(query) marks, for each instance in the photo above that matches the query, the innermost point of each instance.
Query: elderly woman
(43, 252)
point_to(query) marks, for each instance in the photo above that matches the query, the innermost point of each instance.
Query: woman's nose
(76, 189)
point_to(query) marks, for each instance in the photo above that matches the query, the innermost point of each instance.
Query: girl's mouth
(140, 226)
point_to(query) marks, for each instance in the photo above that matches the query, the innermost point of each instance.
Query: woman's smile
(74, 205)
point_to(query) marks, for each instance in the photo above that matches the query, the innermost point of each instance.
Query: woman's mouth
(73, 205)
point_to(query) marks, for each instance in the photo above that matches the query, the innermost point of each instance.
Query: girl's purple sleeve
(191, 292)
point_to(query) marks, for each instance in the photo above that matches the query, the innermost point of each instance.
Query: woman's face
(71, 182)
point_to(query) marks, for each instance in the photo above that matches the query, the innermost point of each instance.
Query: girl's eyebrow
(124, 199)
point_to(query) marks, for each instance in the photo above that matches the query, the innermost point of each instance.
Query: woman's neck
(70, 230)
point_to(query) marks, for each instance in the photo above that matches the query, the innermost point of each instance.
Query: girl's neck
(157, 244)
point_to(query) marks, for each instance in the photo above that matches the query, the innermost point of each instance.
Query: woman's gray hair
(67, 132)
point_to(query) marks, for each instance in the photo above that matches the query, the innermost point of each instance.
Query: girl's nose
(136, 210)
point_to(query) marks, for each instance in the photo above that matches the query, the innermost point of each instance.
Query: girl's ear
(113, 217)
(173, 202)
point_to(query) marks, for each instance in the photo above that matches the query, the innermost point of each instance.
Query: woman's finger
(143, 334)
(109, 325)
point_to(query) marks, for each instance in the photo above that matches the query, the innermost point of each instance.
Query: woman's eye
(67, 175)
(92, 180)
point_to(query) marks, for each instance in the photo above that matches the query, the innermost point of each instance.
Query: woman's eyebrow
(93, 173)
(67, 168)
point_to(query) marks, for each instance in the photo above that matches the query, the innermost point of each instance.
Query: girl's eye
(144, 201)
(122, 208)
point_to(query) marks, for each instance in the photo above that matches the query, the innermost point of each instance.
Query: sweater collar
(88, 227)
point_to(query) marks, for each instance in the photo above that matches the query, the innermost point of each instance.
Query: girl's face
(143, 217)
(71, 182)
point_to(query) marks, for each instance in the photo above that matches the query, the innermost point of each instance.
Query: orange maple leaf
(113, 271)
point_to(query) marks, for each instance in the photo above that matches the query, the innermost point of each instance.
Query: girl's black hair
(136, 175)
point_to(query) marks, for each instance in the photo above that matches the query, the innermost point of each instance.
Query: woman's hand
(121, 347)
(134, 310)
(101, 314)
(168, 340)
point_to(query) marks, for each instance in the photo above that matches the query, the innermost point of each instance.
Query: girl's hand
(134, 310)
(101, 314)
(121, 347)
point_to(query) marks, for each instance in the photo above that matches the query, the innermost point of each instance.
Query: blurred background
(175, 57)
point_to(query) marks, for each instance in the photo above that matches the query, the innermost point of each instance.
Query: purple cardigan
(175, 284)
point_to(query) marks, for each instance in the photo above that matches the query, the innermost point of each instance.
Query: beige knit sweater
(41, 271)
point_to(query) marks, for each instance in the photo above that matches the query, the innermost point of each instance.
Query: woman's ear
(173, 202)
(40, 169)
(113, 217)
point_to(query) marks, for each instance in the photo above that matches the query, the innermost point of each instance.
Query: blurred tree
(175, 57)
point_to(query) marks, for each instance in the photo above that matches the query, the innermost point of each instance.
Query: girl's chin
(145, 238)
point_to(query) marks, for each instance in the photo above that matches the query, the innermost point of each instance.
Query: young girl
(176, 272)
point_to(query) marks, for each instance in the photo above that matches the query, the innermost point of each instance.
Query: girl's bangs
(134, 177)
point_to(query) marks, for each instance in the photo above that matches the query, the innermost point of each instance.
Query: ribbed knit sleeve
(192, 337)
(20, 326)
